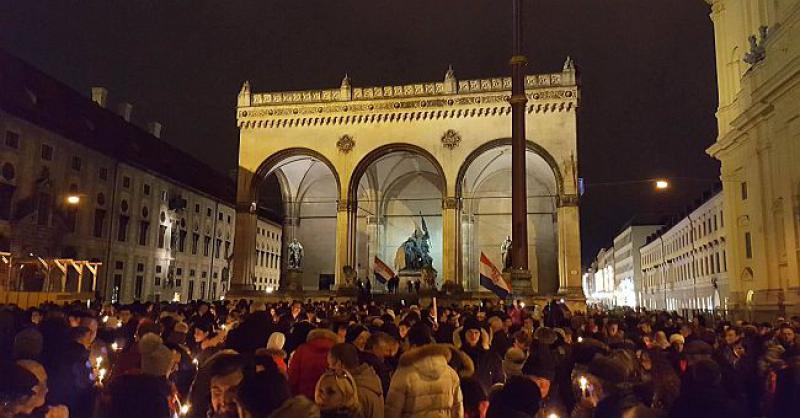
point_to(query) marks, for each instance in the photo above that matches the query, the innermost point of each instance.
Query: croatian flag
(492, 279)
(382, 272)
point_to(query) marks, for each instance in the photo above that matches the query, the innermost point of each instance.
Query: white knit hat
(276, 341)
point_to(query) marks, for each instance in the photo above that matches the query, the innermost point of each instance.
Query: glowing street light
(73, 199)
(662, 184)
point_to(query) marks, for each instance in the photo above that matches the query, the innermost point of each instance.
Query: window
(6, 193)
(206, 245)
(219, 216)
(76, 163)
(137, 288)
(164, 196)
(47, 152)
(748, 245)
(196, 208)
(217, 245)
(191, 273)
(191, 290)
(139, 267)
(208, 212)
(202, 290)
(99, 222)
(227, 249)
(126, 182)
(213, 291)
(116, 288)
(146, 189)
(744, 190)
(195, 239)
(12, 139)
(182, 241)
(157, 281)
(144, 227)
(119, 265)
(173, 238)
(158, 269)
(178, 282)
(179, 271)
(122, 228)
(102, 173)
(44, 204)
(162, 233)
(71, 218)
(204, 275)
(229, 219)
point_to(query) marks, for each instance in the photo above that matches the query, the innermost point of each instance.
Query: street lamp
(73, 199)
(662, 184)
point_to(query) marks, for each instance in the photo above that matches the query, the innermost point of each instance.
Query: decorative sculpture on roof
(757, 51)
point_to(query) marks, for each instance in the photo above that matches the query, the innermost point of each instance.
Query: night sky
(647, 67)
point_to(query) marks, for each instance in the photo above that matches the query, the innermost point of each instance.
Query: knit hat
(156, 357)
(676, 338)
(545, 335)
(28, 344)
(698, 347)
(353, 332)
(608, 369)
(518, 395)
(276, 341)
(513, 361)
(540, 363)
(420, 334)
(471, 323)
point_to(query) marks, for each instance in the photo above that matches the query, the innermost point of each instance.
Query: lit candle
(584, 384)
(105, 319)
(195, 362)
(552, 415)
(98, 361)
(101, 374)
(185, 409)
(580, 339)
(115, 346)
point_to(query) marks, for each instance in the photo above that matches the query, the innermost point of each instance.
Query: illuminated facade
(758, 72)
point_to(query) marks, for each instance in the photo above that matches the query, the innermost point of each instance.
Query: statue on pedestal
(295, 254)
(505, 251)
(414, 253)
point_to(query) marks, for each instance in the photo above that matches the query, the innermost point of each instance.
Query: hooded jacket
(298, 406)
(424, 386)
(370, 392)
(309, 362)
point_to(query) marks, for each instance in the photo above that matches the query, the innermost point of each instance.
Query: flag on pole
(382, 272)
(492, 279)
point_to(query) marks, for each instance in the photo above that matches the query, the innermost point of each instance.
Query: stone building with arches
(361, 168)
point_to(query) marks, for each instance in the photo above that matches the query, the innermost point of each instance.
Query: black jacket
(488, 366)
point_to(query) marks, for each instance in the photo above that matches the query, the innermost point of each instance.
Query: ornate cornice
(345, 144)
(472, 98)
(568, 200)
(451, 203)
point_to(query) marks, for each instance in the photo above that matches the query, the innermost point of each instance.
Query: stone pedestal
(520, 281)
(294, 280)
(406, 276)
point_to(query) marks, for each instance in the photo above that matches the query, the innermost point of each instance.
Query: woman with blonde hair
(336, 395)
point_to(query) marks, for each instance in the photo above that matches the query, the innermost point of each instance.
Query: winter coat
(309, 362)
(424, 386)
(702, 401)
(70, 381)
(298, 406)
(381, 368)
(370, 392)
(488, 366)
(251, 334)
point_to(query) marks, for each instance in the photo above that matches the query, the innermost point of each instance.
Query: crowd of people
(244, 359)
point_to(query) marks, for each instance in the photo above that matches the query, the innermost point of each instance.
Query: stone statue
(295, 254)
(505, 251)
(414, 253)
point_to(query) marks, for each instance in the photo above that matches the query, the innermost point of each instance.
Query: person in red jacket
(309, 361)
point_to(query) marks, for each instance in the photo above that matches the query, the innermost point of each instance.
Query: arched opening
(484, 187)
(398, 191)
(298, 189)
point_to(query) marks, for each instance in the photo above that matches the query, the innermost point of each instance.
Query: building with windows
(601, 281)
(78, 180)
(684, 265)
(758, 73)
(268, 256)
(627, 262)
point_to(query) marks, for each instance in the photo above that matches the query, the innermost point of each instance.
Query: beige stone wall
(758, 146)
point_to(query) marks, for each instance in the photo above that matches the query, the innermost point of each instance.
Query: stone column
(345, 240)
(569, 248)
(451, 242)
(374, 233)
(244, 244)
(467, 261)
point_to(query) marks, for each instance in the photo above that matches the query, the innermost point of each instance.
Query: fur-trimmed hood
(458, 338)
(322, 333)
(427, 360)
